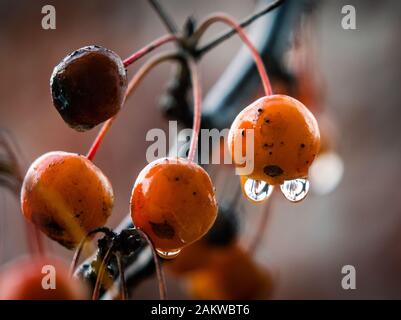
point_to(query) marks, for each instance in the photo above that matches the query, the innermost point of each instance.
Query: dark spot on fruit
(177, 179)
(267, 120)
(260, 110)
(194, 193)
(273, 171)
(49, 224)
(270, 153)
(282, 143)
(163, 230)
(302, 145)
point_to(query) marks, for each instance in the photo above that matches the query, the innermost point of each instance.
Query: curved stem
(123, 284)
(80, 247)
(197, 96)
(102, 268)
(167, 20)
(158, 266)
(150, 47)
(137, 78)
(226, 35)
(244, 37)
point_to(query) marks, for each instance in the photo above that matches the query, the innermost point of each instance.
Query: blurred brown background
(358, 224)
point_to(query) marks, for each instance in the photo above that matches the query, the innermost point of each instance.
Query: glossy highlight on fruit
(173, 202)
(66, 196)
(23, 279)
(88, 86)
(286, 138)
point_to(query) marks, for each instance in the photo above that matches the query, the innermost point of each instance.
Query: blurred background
(358, 223)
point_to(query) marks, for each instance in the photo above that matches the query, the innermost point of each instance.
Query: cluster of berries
(173, 199)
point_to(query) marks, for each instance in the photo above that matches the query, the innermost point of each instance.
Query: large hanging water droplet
(257, 190)
(295, 190)
(168, 254)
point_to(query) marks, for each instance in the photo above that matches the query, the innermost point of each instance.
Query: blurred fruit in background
(231, 274)
(27, 278)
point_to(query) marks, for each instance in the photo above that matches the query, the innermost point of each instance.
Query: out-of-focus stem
(197, 94)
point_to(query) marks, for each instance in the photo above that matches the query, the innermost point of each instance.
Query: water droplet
(168, 254)
(295, 190)
(257, 190)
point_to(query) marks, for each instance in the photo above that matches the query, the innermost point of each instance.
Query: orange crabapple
(173, 202)
(286, 138)
(66, 196)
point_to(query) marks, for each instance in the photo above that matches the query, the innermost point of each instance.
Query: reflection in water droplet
(168, 254)
(326, 172)
(257, 190)
(295, 190)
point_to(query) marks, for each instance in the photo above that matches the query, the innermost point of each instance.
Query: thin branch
(228, 34)
(164, 16)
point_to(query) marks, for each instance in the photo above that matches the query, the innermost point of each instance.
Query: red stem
(128, 61)
(244, 37)
(142, 72)
(150, 47)
(197, 96)
(99, 138)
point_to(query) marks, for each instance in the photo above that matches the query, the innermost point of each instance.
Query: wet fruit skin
(286, 138)
(173, 202)
(88, 87)
(22, 280)
(231, 275)
(66, 196)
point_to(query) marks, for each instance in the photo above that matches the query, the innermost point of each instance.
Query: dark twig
(224, 36)
(167, 20)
